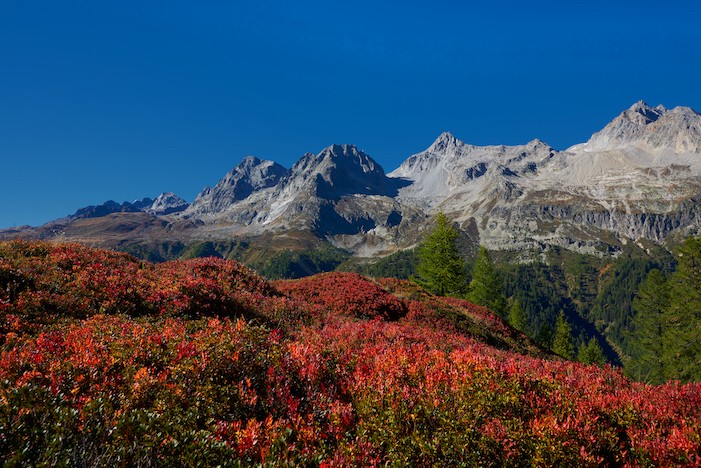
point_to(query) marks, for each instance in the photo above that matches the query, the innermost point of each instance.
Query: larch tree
(562, 342)
(517, 317)
(592, 353)
(486, 287)
(545, 336)
(682, 338)
(648, 329)
(441, 270)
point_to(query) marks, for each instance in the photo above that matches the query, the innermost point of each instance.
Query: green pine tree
(545, 336)
(517, 317)
(441, 270)
(562, 342)
(592, 353)
(486, 287)
(681, 354)
(647, 329)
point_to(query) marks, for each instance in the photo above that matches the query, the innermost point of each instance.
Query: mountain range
(636, 180)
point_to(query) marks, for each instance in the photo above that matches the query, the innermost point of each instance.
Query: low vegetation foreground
(108, 360)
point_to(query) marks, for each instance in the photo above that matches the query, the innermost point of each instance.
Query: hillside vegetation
(109, 360)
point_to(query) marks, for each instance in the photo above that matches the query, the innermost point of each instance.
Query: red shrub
(345, 294)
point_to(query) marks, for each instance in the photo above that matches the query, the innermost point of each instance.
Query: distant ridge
(639, 178)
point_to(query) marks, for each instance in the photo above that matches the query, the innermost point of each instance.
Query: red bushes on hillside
(106, 360)
(345, 294)
(45, 281)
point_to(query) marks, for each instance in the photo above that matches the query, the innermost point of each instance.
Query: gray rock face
(248, 176)
(337, 171)
(167, 203)
(450, 168)
(678, 129)
(340, 194)
(637, 178)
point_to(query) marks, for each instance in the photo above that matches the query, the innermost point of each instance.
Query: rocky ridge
(637, 178)
(167, 203)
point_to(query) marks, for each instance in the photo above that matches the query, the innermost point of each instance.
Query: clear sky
(126, 99)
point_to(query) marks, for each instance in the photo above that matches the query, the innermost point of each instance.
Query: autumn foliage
(107, 360)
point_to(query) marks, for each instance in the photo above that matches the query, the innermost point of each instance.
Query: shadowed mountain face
(342, 170)
(638, 178)
(248, 176)
(110, 207)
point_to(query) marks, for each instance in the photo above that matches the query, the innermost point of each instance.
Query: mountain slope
(250, 175)
(339, 195)
(110, 360)
(637, 178)
(640, 177)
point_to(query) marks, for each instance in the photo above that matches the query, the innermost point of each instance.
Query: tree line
(665, 334)
(442, 271)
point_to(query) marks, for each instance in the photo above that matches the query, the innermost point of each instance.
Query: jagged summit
(445, 141)
(167, 203)
(642, 113)
(639, 177)
(684, 110)
(110, 207)
(450, 168)
(678, 129)
(250, 175)
(354, 157)
(336, 171)
(249, 161)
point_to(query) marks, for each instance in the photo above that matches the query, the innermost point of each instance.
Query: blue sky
(120, 100)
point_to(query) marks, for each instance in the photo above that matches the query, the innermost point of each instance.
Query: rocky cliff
(637, 178)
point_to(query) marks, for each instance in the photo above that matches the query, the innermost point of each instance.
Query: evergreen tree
(545, 336)
(517, 317)
(592, 353)
(646, 343)
(562, 342)
(681, 352)
(486, 287)
(441, 270)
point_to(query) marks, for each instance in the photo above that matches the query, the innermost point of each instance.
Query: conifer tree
(648, 329)
(517, 317)
(545, 336)
(562, 342)
(592, 353)
(681, 352)
(486, 288)
(441, 269)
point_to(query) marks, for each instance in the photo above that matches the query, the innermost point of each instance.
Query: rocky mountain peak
(537, 143)
(167, 203)
(338, 170)
(643, 114)
(351, 158)
(685, 111)
(248, 162)
(258, 169)
(679, 130)
(250, 175)
(634, 125)
(111, 206)
(444, 142)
